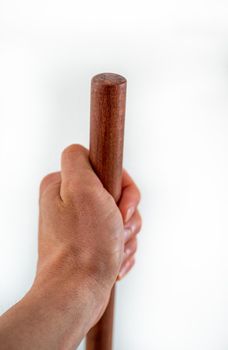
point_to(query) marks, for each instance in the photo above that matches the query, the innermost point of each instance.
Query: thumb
(76, 170)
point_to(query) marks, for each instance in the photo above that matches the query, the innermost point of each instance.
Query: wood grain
(108, 99)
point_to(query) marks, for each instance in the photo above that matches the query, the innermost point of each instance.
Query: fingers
(133, 226)
(130, 249)
(50, 183)
(129, 253)
(130, 197)
(128, 203)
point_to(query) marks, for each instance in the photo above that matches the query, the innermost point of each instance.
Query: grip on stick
(108, 98)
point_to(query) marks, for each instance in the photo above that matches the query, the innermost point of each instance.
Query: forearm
(49, 318)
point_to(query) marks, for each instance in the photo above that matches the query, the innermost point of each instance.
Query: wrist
(74, 302)
(75, 293)
(52, 315)
(73, 283)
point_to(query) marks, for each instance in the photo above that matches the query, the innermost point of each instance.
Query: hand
(85, 243)
(81, 232)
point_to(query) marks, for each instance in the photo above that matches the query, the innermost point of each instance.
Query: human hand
(85, 243)
(81, 231)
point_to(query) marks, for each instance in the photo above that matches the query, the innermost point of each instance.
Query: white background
(175, 57)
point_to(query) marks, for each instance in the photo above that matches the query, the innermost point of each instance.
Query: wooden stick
(108, 95)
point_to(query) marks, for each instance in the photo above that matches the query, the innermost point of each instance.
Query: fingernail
(127, 233)
(129, 214)
(123, 270)
(127, 252)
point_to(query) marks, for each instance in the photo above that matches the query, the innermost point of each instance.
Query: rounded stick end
(109, 79)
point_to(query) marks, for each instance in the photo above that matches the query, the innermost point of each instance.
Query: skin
(86, 243)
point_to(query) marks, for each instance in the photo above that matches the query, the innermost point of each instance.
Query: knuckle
(47, 181)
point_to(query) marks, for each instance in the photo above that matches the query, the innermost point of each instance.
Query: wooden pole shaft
(108, 96)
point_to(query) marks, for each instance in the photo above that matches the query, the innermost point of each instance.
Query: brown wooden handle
(108, 96)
